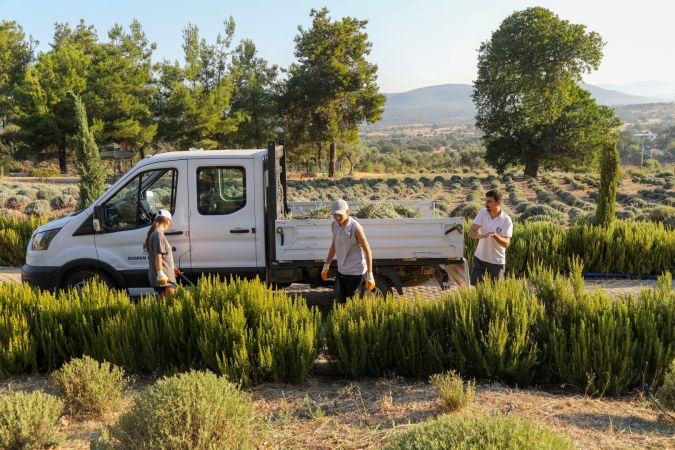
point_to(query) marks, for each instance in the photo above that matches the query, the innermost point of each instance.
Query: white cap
(339, 207)
(163, 213)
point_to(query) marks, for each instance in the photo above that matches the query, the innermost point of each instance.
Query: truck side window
(135, 204)
(220, 190)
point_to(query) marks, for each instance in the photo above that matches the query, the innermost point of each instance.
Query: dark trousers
(347, 286)
(481, 268)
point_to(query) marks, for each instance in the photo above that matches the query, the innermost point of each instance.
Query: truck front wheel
(79, 278)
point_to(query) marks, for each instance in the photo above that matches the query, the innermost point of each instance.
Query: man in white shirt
(493, 228)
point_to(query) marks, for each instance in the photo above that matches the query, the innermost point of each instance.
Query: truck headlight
(42, 239)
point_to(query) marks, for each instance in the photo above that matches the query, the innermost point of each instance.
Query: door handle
(240, 231)
(173, 233)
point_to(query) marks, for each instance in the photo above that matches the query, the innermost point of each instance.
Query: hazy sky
(415, 42)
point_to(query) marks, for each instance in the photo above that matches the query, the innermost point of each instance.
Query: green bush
(477, 432)
(17, 202)
(666, 393)
(38, 208)
(14, 237)
(195, 410)
(89, 388)
(63, 201)
(452, 390)
(28, 420)
(241, 328)
(652, 165)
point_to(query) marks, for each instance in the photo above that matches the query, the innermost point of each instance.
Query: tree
(352, 152)
(193, 101)
(610, 172)
(529, 103)
(120, 88)
(45, 109)
(89, 166)
(254, 98)
(332, 88)
(16, 53)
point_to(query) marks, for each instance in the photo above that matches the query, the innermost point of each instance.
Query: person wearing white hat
(161, 271)
(351, 250)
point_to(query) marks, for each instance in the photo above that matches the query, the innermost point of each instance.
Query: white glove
(370, 281)
(162, 278)
(324, 271)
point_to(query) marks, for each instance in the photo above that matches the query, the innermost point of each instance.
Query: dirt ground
(334, 413)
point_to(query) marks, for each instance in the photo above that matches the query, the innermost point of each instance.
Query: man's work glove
(370, 281)
(324, 271)
(162, 278)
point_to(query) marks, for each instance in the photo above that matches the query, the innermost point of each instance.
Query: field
(333, 413)
(561, 198)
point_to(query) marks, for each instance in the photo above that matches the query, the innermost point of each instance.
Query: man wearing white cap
(351, 250)
(161, 270)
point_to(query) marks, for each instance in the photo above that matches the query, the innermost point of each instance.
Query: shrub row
(14, 237)
(546, 331)
(635, 248)
(241, 329)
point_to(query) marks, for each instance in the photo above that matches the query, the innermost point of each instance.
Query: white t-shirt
(488, 250)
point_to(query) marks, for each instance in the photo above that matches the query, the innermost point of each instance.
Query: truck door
(127, 213)
(222, 216)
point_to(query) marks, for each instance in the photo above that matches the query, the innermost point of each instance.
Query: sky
(416, 43)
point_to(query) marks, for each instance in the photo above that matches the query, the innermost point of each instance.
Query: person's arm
(502, 241)
(361, 237)
(474, 232)
(158, 262)
(329, 259)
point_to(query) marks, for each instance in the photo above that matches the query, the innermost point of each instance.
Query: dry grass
(330, 413)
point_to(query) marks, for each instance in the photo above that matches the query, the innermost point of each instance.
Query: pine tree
(89, 167)
(610, 171)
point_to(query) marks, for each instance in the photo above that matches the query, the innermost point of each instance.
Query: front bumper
(39, 276)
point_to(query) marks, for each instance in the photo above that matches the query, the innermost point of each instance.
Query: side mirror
(98, 218)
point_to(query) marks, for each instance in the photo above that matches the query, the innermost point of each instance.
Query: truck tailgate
(310, 239)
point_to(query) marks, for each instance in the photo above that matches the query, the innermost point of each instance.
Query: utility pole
(648, 135)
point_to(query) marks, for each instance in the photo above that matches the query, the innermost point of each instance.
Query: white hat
(339, 207)
(163, 213)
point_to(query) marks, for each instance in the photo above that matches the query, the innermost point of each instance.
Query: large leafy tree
(193, 100)
(529, 103)
(120, 88)
(332, 88)
(45, 108)
(254, 101)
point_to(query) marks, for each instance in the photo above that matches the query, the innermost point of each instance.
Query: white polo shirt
(488, 250)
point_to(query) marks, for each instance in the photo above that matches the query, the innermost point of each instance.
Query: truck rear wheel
(79, 278)
(382, 288)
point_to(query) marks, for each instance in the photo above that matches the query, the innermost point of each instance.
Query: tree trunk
(332, 160)
(532, 167)
(63, 166)
(351, 167)
(319, 156)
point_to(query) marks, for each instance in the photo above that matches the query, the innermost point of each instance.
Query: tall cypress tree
(89, 166)
(610, 172)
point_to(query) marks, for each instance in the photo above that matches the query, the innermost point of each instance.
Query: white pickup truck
(229, 218)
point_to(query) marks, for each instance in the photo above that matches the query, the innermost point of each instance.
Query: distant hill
(451, 103)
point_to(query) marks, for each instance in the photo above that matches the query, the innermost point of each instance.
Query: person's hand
(491, 234)
(177, 272)
(162, 278)
(370, 281)
(324, 271)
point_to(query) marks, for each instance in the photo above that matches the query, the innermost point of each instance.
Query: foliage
(239, 328)
(195, 410)
(89, 167)
(14, 237)
(332, 88)
(529, 105)
(28, 420)
(453, 391)
(666, 393)
(475, 431)
(89, 388)
(548, 330)
(610, 173)
(38, 208)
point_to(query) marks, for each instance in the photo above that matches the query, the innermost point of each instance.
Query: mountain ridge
(452, 103)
